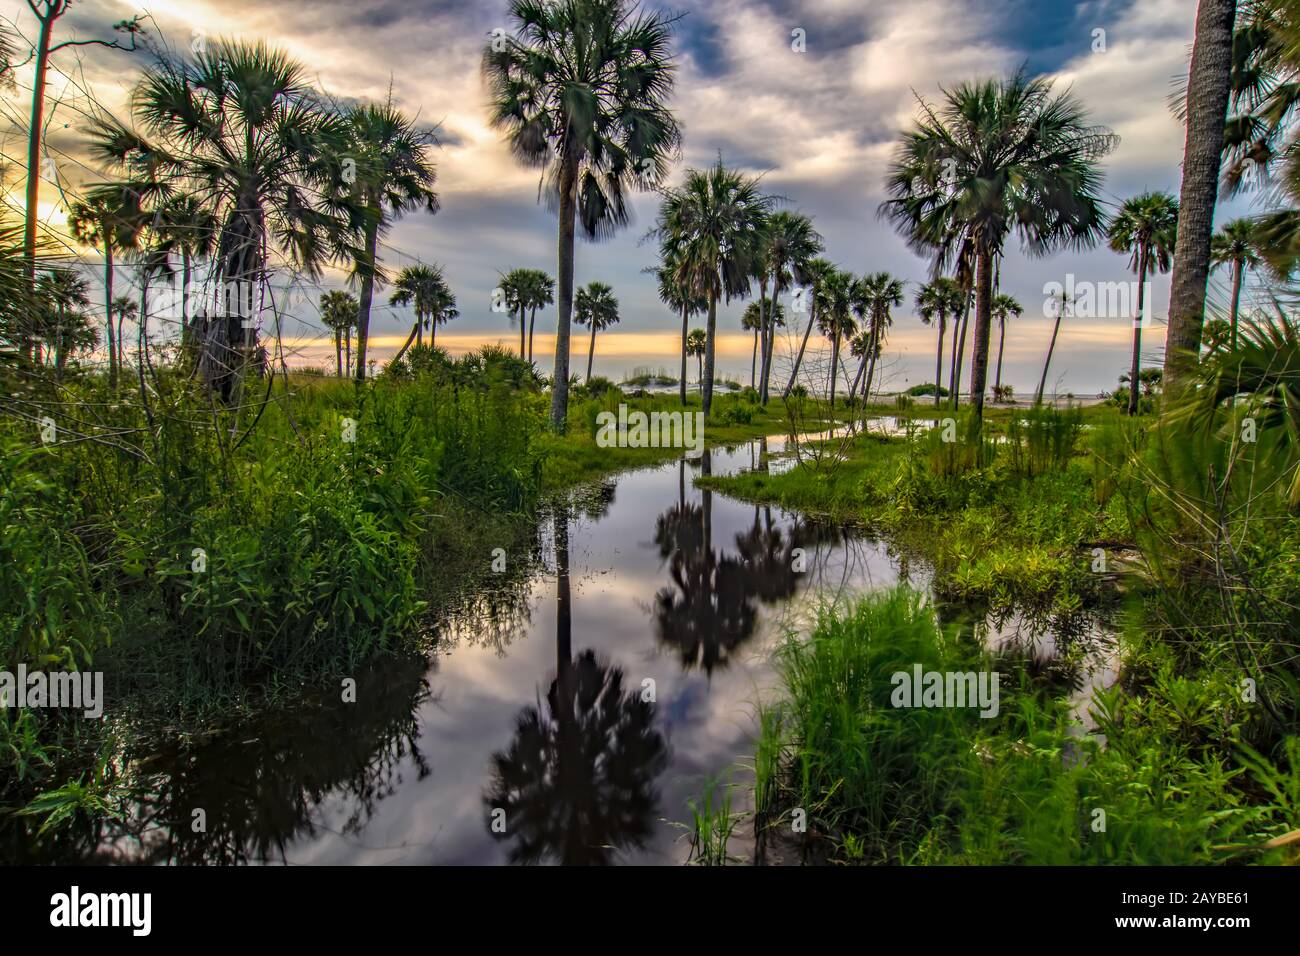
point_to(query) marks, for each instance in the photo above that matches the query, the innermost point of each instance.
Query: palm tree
(514, 287)
(105, 220)
(714, 225)
(1237, 245)
(874, 296)
(393, 176)
(937, 301)
(678, 294)
(595, 306)
(1208, 90)
(815, 273)
(188, 229)
(834, 317)
(425, 289)
(997, 156)
(63, 295)
(124, 307)
(338, 312)
(539, 292)
(1004, 307)
(1061, 302)
(581, 91)
(696, 344)
(791, 243)
(48, 13)
(1146, 226)
(241, 126)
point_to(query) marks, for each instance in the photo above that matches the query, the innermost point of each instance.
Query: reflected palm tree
(576, 783)
(711, 607)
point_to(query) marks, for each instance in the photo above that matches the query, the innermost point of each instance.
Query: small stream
(568, 717)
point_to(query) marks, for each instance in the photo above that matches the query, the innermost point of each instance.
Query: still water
(568, 718)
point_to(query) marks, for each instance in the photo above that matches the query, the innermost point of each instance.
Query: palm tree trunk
(709, 335)
(522, 331)
(366, 299)
(685, 317)
(959, 352)
(564, 299)
(835, 368)
(1002, 341)
(1209, 81)
(857, 377)
(185, 295)
(753, 358)
(1237, 268)
(34, 176)
(338, 352)
(938, 359)
(979, 362)
(433, 331)
(419, 329)
(407, 344)
(108, 310)
(762, 325)
(871, 366)
(1136, 367)
(532, 318)
(798, 359)
(1051, 347)
(347, 349)
(591, 351)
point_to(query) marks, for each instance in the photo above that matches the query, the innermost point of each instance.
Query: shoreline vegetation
(222, 535)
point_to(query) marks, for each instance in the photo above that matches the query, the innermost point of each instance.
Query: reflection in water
(260, 788)
(576, 783)
(711, 608)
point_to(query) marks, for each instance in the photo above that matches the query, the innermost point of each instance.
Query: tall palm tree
(1062, 302)
(995, 157)
(697, 344)
(596, 307)
(1236, 245)
(425, 289)
(241, 126)
(1146, 226)
(106, 220)
(677, 292)
(539, 292)
(581, 90)
(816, 272)
(791, 244)
(393, 175)
(338, 312)
(874, 298)
(1004, 307)
(48, 13)
(835, 318)
(1208, 90)
(714, 223)
(514, 288)
(936, 301)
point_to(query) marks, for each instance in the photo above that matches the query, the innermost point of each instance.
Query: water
(577, 710)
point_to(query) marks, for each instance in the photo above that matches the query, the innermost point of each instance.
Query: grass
(1175, 782)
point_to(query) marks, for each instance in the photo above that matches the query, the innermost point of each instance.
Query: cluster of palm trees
(234, 160)
(525, 291)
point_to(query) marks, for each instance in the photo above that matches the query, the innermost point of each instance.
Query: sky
(818, 125)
